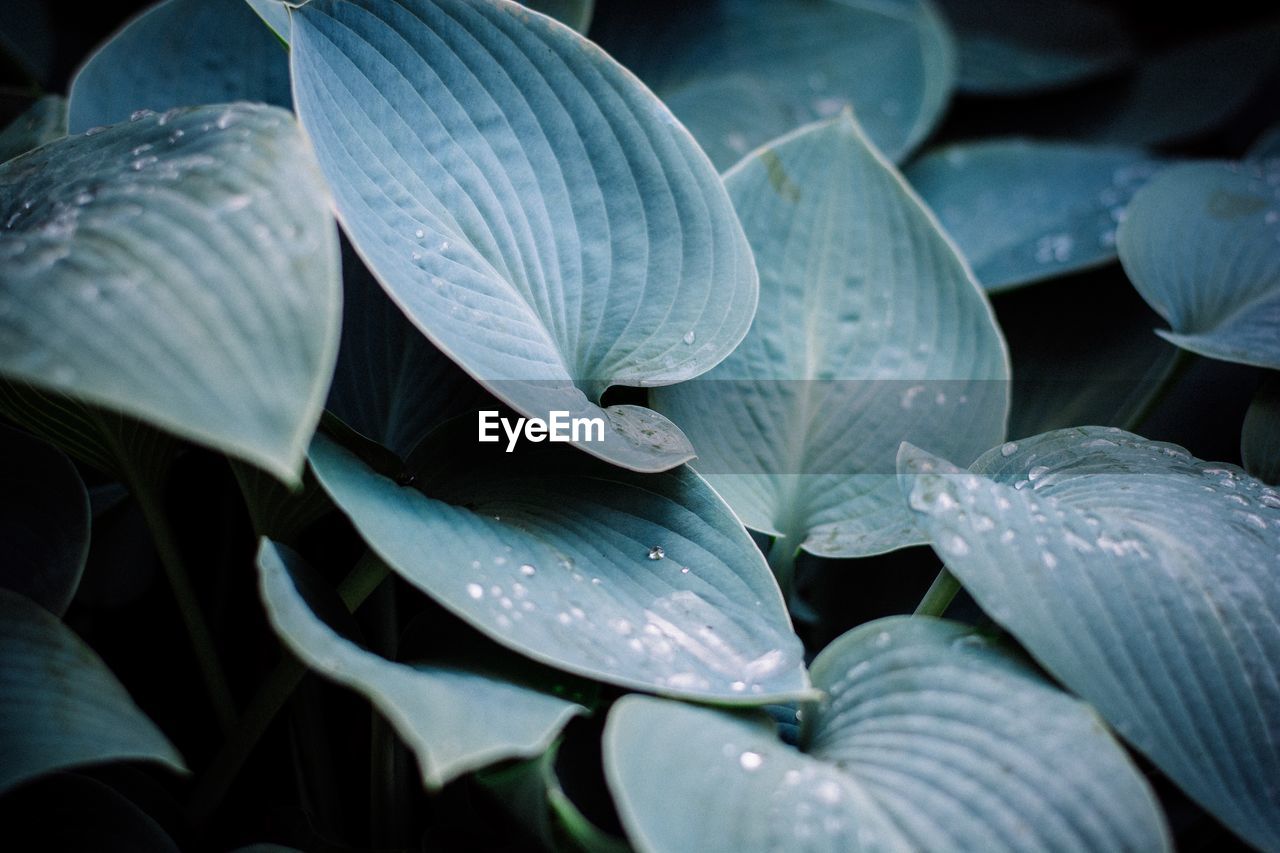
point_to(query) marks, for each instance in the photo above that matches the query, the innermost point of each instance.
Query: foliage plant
(888, 540)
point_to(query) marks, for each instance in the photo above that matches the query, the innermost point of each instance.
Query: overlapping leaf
(59, 704)
(1202, 245)
(931, 739)
(454, 719)
(532, 208)
(742, 72)
(180, 268)
(1017, 47)
(645, 581)
(1260, 434)
(871, 330)
(44, 522)
(1024, 211)
(1144, 580)
(180, 53)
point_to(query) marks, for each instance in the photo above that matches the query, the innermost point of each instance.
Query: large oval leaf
(44, 121)
(531, 207)
(180, 53)
(1024, 211)
(44, 522)
(1145, 580)
(454, 719)
(1202, 245)
(1260, 433)
(1017, 47)
(742, 72)
(931, 739)
(59, 704)
(644, 581)
(180, 268)
(870, 330)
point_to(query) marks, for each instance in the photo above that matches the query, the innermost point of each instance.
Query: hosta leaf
(1024, 211)
(44, 522)
(44, 121)
(1260, 435)
(1017, 47)
(931, 739)
(647, 582)
(742, 72)
(1145, 581)
(59, 704)
(531, 207)
(575, 13)
(870, 330)
(180, 53)
(454, 719)
(391, 385)
(180, 268)
(275, 14)
(1202, 245)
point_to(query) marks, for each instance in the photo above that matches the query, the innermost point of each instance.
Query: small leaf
(1260, 434)
(1202, 245)
(870, 330)
(455, 720)
(1024, 211)
(931, 739)
(1019, 47)
(44, 522)
(60, 705)
(180, 268)
(1144, 580)
(647, 582)
(44, 121)
(180, 53)
(391, 386)
(742, 72)
(549, 217)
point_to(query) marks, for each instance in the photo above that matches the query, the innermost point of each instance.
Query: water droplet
(94, 131)
(1050, 561)
(751, 760)
(527, 570)
(689, 337)
(684, 570)
(475, 590)
(1008, 448)
(657, 552)
(829, 792)
(139, 114)
(955, 545)
(882, 639)
(738, 686)
(1037, 472)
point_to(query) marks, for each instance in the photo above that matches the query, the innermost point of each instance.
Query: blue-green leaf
(44, 522)
(59, 704)
(180, 53)
(1260, 434)
(871, 330)
(1202, 245)
(930, 739)
(391, 385)
(44, 121)
(1024, 211)
(182, 269)
(742, 72)
(1018, 47)
(1144, 580)
(455, 720)
(532, 208)
(645, 581)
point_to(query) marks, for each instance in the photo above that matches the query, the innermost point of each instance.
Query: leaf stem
(1182, 361)
(940, 594)
(207, 661)
(271, 696)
